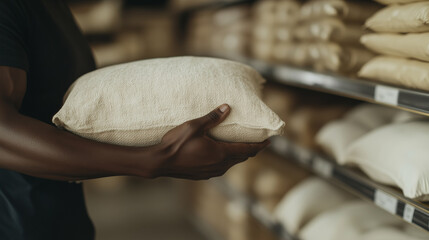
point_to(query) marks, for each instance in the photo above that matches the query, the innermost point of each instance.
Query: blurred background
(245, 204)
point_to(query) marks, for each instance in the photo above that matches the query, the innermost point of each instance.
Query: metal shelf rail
(394, 96)
(257, 210)
(389, 199)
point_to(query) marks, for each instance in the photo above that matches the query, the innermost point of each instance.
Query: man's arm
(35, 148)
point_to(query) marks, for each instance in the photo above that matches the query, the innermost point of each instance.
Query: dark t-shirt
(41, 37)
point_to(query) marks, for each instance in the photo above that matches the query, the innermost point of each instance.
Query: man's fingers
(213, 118)
(244, 150)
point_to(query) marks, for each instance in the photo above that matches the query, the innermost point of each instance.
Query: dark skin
(38, 149)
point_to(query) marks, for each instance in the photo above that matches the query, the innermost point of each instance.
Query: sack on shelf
(264, 32)
(351, 11)
(335, 137)
(329, 29)
(388, 2)
(241, 225)
(307, 200)
(283, 33)
(348, 221)
(287, 12)
(397, 71)
(412, 45)
(282, 100)
(296, 54)
(137, 103)
(242, 176)
(264, 11)
(337, 58)
(391, 233)
(276, 177)
(306, 121)
(395, 155)
(231, 15)
(403, 117)
(262, 50)
(408, 18)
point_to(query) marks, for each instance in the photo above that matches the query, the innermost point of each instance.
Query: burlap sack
(393, 233)
(413, 17)
(293, 53)
(287, 12)
(351, 11)
(348, 221)
(329, 29)
(396, 155)
(264, 11)
(137, 103)
(336, 136)
(283, 33)
(303, 203)
(412, 45)
(397, 71)
(339, 58)
(262, 50)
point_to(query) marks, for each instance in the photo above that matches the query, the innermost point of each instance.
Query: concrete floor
(135, 209)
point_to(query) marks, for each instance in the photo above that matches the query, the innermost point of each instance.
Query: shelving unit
(388, 198)
(384, 197)
(394, 96)
(257, 210)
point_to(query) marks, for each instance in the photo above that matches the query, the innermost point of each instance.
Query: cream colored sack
(413, 17)
(287, 12)
(391, 233)
(349, 221)
(336, 136)
(351, 11)
(397, 71)
(397, 155)
(305, 201)
(412, 45)
(293, 53)
(338, 58)
(329, 29)
(137, 103)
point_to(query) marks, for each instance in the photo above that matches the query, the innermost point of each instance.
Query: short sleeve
(13, 29)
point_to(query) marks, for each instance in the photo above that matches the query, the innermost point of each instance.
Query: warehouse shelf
(256, 209)
(412, 100)
(387, 198)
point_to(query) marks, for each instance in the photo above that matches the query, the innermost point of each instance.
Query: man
(41, 53)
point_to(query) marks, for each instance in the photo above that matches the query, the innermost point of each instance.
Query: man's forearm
(32, 147)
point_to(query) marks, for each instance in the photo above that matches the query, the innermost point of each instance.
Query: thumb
(215, 117)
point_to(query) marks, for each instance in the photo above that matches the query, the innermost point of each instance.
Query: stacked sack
(402, 37)
(387, 144)
(265, 178)
(317, 210)
(273, 23)
(329, 32)
(224, 31)
(304, 112)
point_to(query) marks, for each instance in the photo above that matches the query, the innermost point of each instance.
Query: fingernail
(223, 108)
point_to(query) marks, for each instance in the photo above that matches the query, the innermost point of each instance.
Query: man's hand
(194, 155)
